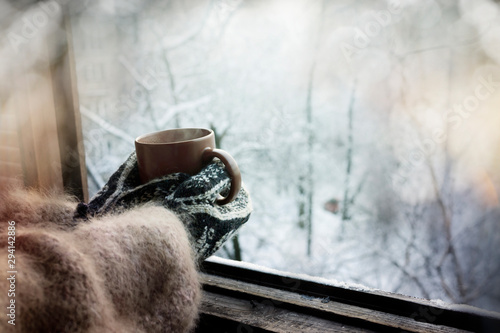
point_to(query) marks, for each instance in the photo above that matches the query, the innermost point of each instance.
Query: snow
(465, 308)
(300, 276)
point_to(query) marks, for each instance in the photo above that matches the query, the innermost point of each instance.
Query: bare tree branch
(106, 126)
(347, 197)
(191, 35)
(406, 273)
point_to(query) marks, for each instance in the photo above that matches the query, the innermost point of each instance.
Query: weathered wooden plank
(266, 316)
(414, 309)
(324, 309)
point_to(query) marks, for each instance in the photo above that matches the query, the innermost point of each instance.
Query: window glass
(366, 131)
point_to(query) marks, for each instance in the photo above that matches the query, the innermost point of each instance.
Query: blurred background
(367, 131)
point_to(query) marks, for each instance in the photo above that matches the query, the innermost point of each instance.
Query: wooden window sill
(240, 299)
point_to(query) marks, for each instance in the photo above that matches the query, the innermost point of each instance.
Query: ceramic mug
(185, 150)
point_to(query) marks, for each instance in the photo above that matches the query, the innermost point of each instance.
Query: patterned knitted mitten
(192, 198)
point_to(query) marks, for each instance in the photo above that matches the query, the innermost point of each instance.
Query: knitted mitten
(192, 198)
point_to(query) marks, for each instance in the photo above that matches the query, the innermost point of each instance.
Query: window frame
(43, 132)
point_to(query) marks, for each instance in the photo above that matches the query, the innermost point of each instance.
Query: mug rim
(143, 136)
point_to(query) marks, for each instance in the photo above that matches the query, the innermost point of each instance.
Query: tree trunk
(346, 203)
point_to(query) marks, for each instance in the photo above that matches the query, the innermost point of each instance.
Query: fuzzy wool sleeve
(130, 272)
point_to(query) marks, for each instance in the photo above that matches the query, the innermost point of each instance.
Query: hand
(192, 198)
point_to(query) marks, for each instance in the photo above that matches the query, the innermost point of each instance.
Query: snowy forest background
(367, 131)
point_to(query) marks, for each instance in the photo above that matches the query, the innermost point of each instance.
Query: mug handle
(232, 169)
